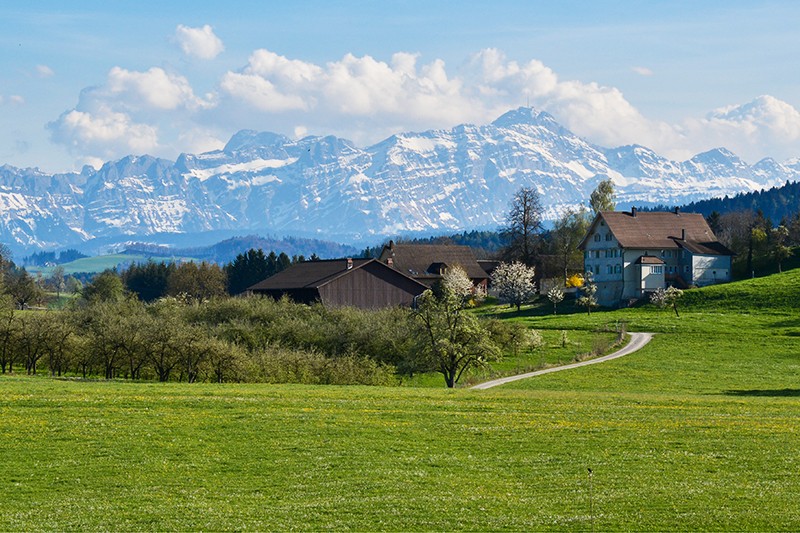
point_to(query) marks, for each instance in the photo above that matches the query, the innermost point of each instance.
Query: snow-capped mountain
(325, 187)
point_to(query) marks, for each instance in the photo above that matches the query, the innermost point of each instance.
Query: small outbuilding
(363, 283)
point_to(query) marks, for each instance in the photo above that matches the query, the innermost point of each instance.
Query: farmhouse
(427, 263)
(632, 253)
(364, 283)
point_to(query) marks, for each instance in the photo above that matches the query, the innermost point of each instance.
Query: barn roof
(315, 274)
(426, 260)
(309, 274)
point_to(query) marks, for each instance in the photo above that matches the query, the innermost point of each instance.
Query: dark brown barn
(364, 283)
(427, 263)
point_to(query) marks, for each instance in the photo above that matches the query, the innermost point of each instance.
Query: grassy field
(698, 431)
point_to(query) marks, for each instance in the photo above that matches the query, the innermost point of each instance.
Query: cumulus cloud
(103, 133)
(127, 113)
(365, 99)
(763, 127)
(199, 42)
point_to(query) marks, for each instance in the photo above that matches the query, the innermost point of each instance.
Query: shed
(363, 283)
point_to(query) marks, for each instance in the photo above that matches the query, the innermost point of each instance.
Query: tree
(667, 298)
(248, 269)
(149, 280)
(602, 198)
(450, 340)
(514, 283)
(778, 249)
(458, 283)
(555, 295)
(105, 287)
(588, 297)
(22, 287)
(198, 282)
(523, 225)
(568, 231)
(58, 280)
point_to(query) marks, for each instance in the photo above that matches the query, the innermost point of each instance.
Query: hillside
(775, 202)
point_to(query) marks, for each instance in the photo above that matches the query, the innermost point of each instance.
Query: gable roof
(425, 260)
(673, 229)
(309, 274)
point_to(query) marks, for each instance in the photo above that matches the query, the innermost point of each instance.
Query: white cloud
(133, 111)
(642, 71)
(199, 42)
(366, 99)
(16, 99)
(763, 127)
(43, 71)
(154, 88)
(103, 133)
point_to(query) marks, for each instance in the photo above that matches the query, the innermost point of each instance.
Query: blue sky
(84, 82)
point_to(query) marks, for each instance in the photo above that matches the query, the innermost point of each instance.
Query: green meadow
(698, 431)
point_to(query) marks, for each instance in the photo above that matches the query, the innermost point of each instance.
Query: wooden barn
(363, 283)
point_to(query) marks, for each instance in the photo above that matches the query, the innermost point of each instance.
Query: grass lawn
(700, 430)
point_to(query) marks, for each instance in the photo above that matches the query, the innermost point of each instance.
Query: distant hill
(227, 250)
(776, 203)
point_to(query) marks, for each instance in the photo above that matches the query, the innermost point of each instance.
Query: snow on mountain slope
(432, 181)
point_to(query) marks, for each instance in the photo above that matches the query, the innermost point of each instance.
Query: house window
(669, 253)
(596, 237)
(686, 269)
(597, 254)
(597, 269)
(663, 253)
(656, 269)
(617, 269)
(609, 269)
(608, 236)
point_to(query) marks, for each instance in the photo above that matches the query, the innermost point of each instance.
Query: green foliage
(105, 287)
(603, 197)
(197, 282)
(248, 269)
(450, 340)
(148, 281)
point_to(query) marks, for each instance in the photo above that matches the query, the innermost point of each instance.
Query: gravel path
(638, 340)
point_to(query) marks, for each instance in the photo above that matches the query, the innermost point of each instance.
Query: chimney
(391, 245)
(677, 210)
(349, 263)
(683, 234)
(633, 212)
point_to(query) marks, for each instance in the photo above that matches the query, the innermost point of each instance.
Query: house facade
(363, 283)
(631, 254)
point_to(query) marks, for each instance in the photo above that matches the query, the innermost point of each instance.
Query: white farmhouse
(634, 253)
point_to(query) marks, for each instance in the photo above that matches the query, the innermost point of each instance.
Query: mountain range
(435, 181)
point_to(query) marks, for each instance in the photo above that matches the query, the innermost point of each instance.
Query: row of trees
(111, 336)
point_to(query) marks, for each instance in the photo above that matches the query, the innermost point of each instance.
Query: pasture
(697, 431)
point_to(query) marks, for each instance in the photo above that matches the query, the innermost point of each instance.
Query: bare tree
(523, 225)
